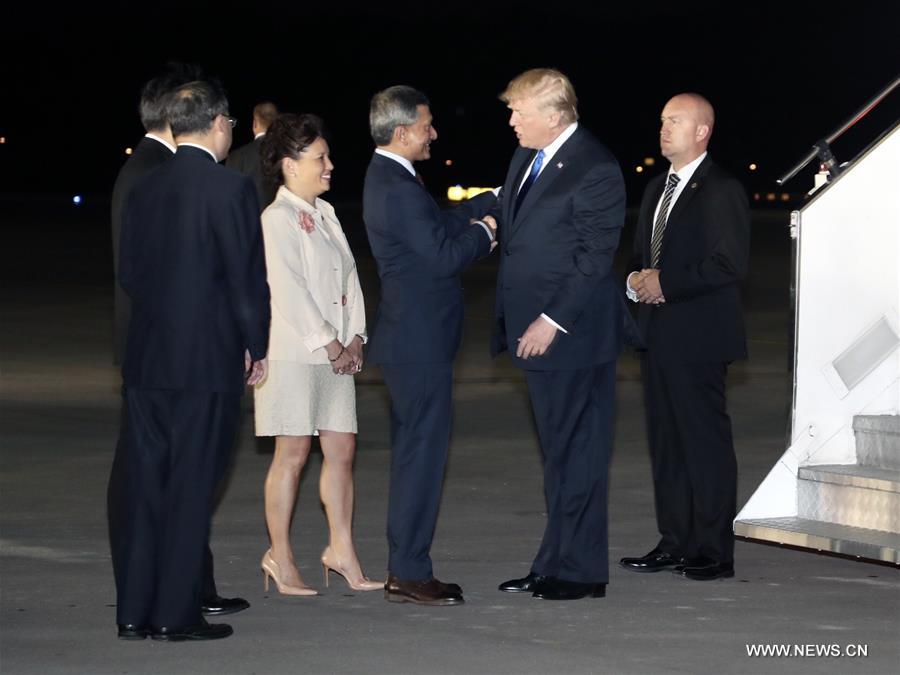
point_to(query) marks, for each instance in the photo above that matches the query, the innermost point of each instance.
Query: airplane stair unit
(836, 488)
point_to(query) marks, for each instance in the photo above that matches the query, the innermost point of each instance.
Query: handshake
(491, 225)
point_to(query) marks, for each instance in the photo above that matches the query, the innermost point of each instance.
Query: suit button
(508, 252)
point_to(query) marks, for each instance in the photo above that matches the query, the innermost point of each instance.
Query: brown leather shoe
(430, 592)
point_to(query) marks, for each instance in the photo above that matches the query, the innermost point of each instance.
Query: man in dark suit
(157, 147)
(559, 314)
(192, 263)
(420, 252)
(690, 255)
(248, 160)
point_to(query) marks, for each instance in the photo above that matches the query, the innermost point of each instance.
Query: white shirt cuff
(553, 323)
(486, 229)
(629, 291)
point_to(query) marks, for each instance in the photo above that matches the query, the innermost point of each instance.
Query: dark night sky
(780, 75)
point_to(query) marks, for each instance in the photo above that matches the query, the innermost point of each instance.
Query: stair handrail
(822, 149)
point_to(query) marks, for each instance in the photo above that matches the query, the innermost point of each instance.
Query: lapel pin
(694, 185)
(559, 165)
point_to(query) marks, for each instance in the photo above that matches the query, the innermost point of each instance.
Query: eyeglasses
(232, 121)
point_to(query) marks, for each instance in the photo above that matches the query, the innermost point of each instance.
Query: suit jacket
(248, 160)
(420, 252)
(703, 259)
(192, 262)
(148, 155)
(307, 274)
(557, 255)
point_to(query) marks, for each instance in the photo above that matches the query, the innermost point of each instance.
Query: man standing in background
(247, 158)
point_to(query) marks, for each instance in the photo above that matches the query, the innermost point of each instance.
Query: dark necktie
(419, 179)
(659, 227)
(535, 170)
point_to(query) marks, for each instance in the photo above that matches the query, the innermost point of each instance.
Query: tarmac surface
(59, 408)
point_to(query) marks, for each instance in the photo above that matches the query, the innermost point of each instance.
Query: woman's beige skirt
(298, 399)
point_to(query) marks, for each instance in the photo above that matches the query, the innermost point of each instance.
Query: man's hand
(536, 339)
(646, 284)
(255, 371)
(355, 349)
(492, 224)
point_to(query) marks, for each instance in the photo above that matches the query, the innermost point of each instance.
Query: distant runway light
(128, 151)
(649, 161)
(456, 193)
(639, 169)
(2, 140)
(753, 167)
(76, 200)
(448, 162)
(785, 197)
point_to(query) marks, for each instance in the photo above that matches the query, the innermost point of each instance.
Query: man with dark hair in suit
(247, 158)
(157, 147)
(420, 252)
(690, 254)
(559, 314)
(192, 263)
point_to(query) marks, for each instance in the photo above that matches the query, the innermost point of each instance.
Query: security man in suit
(559, 314)
(192, 263)
(420, 252)
(690, 254)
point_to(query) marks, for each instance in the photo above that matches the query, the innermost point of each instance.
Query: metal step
(878, 440)
(870, 477)
(855, 541)
(849, 494)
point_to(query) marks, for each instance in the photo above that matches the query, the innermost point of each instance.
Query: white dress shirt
(161, 140)
(684, 176)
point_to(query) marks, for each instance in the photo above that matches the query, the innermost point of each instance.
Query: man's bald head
(687, 124)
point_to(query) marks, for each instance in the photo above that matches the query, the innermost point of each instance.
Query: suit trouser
(692, 453)
(573, 410)
(173, 448)
(421, 414)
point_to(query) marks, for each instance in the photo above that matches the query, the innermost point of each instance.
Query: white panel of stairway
(837, 486)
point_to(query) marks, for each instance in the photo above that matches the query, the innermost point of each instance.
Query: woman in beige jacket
(315, 346)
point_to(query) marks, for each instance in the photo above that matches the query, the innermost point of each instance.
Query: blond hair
(550, 87)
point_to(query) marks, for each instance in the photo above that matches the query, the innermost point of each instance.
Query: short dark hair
(265, 113)
(192, 107)
(153, 95)
(394, 107)
(288, 136)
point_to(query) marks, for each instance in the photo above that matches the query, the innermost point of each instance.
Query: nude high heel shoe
(270, 568)
(331, 564)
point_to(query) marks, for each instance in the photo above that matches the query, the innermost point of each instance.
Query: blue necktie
(535, 170)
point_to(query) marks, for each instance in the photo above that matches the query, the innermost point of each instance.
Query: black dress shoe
(560, 589)
(709, 572)
(654, 561)
(692, 562)
(130, 631)
(218, 605)
(527, 585)
(202, 631)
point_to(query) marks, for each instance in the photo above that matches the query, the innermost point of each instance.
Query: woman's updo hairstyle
(288, 136)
